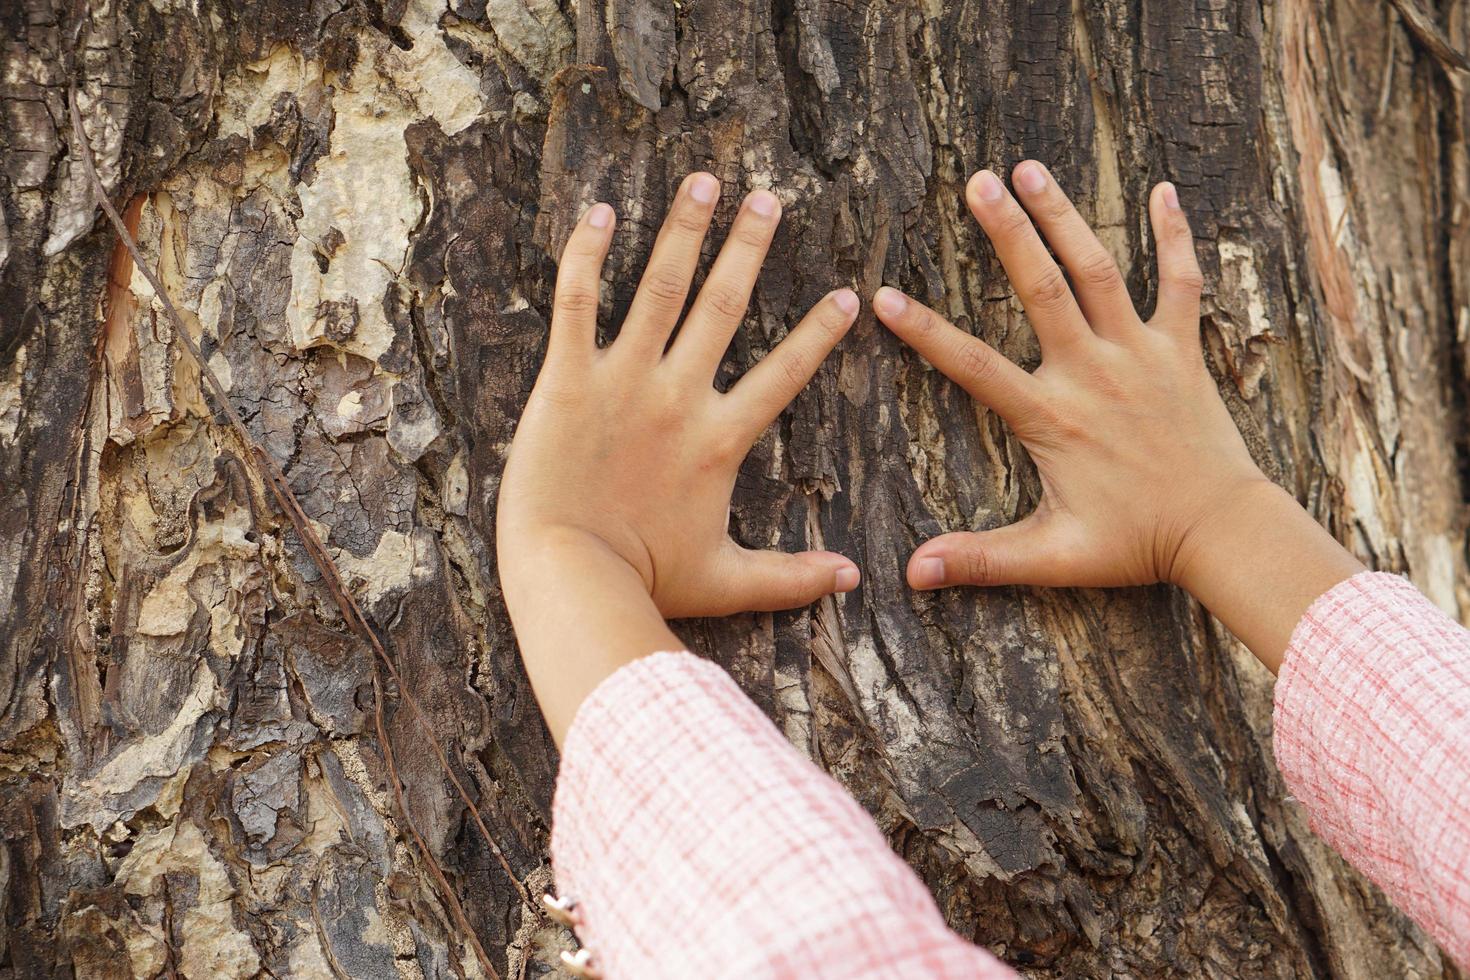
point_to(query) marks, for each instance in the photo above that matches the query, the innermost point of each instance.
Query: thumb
(765, 581)
(1029, 552)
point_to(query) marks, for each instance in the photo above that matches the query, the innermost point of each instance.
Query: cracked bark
(357, 206)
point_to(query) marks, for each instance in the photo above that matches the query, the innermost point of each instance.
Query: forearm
(1258, 563)
(695, 841)
(580, 612)
(1369, 733)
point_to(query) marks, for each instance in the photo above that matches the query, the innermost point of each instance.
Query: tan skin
(616, 495)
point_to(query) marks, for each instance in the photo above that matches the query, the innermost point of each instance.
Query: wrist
(546, 553)
(1242, 511)
(580, 610)
(1258, 562)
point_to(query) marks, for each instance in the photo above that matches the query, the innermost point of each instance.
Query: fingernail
(763, 203)
(929, 573)
(846, 300)
(1171, 196)
(600, 216)
(1031, 177)
(890, 302)
(847, 579)
(989, 187)
(703, 188)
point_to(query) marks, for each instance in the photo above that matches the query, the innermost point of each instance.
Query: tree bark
(357, 205)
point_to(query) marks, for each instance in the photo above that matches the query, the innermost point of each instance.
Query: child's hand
(1135, 449)
(630, 451)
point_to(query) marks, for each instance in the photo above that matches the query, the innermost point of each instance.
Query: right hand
(1137, 454)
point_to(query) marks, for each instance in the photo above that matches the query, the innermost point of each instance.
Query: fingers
(1030, 552)
(1099, 285)
(578, 284)
(1039, 284)
(665, 284)
(765, 581)
(723, 298)
(770, 386)
(991, 379)
(1180, 279)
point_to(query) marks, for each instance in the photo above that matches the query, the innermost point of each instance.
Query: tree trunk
(357, 206)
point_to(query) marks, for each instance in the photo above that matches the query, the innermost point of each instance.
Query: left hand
(631, 451)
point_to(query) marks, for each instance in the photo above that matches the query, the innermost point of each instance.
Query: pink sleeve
(696, 842)
(1373, 737)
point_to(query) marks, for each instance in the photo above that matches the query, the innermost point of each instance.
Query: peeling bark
(357, 207)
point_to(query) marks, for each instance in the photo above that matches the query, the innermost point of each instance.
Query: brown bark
(357, 205)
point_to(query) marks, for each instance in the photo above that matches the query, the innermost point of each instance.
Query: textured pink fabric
(698, 843)
(1373, 737)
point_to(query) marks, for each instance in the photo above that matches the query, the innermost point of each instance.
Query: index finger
(772, 384)
(1043, 290)
(992, 379)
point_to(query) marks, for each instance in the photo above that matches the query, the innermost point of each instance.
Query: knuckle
(1097, 269)
(1068, 429)
(1049, 292)
(729, 446)
(977, 363)
(669, 415)
(925, 321)
(725, 300)
(793, 373)
(780, 592)
(1014, 222)
(687, 221)
(834, 323)
(827, 328)
(664, 286)
(1029, 422)
(1190, 277)
(576, 253)
(751, 235)
(978, 566)
(1055, 205)
(579, 244)
(1113, 389)
(577, 299)
(1055, 426)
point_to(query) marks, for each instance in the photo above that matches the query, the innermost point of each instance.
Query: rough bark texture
(357, 204)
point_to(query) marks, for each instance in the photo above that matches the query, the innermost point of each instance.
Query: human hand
(1137, 455)
(630, 450)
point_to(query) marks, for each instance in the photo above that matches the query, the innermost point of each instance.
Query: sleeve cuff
(1327, 688)
(1369, 717)
(698, 842)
